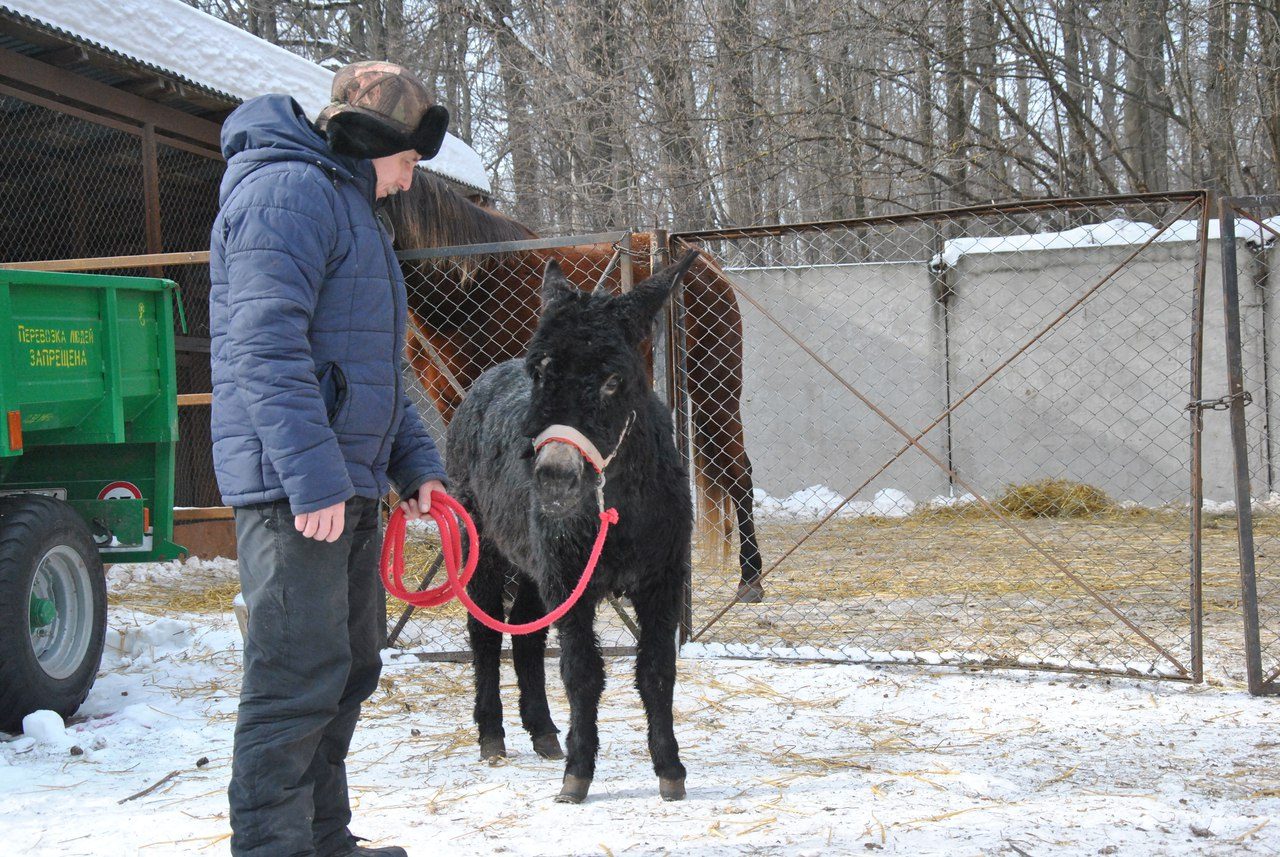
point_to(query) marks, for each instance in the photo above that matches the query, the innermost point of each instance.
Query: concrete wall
(1098, 395)
(1258, 345)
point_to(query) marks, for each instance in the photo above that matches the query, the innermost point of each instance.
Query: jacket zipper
(392, 270)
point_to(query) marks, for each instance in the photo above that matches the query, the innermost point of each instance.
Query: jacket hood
(273, 128)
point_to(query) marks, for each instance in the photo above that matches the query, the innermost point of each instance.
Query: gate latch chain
(1221, 404)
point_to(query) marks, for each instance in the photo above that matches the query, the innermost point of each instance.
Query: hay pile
(1054, 498)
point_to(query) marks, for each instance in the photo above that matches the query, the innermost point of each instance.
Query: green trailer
(88, 426)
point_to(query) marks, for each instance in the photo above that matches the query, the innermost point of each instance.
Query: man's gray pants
(317, 617)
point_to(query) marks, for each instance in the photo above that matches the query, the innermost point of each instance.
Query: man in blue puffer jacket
(311, 427)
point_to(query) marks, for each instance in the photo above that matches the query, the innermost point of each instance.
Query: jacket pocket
(333, 387)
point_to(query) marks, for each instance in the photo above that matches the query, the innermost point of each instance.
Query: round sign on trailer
(120, 491)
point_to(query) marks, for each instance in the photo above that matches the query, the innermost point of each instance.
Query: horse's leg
(657, 614)
(741, 489)
(529, 652)
(485, 589)
(719, 431)
(714, 338)
(582, 672)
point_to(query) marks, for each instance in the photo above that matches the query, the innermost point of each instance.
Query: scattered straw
(1249, 833)
(197, 594)
(760, 825)
(208, 841)
(1065, 775)
(958, 579)
(918, 822)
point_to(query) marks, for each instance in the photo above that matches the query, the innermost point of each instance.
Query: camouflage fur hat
(379, 109)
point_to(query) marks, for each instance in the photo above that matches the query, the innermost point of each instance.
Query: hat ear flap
(355, 135)
(430, 133)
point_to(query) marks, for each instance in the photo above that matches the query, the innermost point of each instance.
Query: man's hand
(324, 525)
(418, 507)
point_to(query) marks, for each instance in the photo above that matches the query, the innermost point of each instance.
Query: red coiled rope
(446, 512)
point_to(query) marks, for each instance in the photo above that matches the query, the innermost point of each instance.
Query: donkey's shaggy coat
(537, 514)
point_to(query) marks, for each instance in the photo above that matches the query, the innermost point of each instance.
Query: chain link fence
(972, 438)
(974, 435)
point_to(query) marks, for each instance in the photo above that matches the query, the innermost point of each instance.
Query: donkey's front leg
(485, 590)
(529, 653)
(657, 614)
(582, 671)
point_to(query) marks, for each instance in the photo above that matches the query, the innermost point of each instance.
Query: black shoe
(384, 851)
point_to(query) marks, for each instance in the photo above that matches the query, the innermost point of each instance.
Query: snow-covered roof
(203, 50)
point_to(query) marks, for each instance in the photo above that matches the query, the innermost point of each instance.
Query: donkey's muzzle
(558, 478)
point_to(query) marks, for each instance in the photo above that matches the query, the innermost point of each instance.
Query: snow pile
(1110, 233)
(817, 501)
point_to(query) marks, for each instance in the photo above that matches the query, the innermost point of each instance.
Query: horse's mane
(431, 214)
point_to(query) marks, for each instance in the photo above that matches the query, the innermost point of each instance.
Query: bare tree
(1268, 12)
(595, 114)
(680, 166)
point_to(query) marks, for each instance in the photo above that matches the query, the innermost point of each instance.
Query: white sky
(171, 35)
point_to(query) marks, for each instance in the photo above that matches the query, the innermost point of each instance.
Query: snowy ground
(783, 759)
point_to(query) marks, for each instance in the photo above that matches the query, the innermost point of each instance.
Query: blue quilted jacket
(307, 317)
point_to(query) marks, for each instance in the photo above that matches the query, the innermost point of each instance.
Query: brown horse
(474, 311)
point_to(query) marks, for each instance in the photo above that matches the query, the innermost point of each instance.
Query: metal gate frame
(1262, 680)
(1194, 205)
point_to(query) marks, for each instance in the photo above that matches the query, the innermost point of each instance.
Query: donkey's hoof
(671, 789)
(493, 750)
(751, 593)
(574, 789)
(548, 746)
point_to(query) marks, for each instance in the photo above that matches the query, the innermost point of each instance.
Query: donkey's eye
(610, 386)
(536, 369)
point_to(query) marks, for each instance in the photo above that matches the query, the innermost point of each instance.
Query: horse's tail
(716, 522)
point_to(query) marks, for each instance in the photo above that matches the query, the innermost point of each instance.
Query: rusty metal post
(678, 396)
(626, 270)
(1196, 593)
(1239, 442)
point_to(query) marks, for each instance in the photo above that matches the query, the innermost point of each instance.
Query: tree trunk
(516, 97)
(737, 109)
(1146, 125)
(681, 169)
(955, 101)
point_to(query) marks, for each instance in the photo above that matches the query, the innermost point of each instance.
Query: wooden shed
(110, 114)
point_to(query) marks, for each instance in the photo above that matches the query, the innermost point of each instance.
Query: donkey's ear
(554, 283)
(644, 301)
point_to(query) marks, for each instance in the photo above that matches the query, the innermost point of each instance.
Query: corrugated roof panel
(104, 74)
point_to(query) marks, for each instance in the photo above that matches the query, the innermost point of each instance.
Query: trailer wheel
(53, 608)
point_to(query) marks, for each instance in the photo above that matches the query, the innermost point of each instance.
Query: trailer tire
(53, 608)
